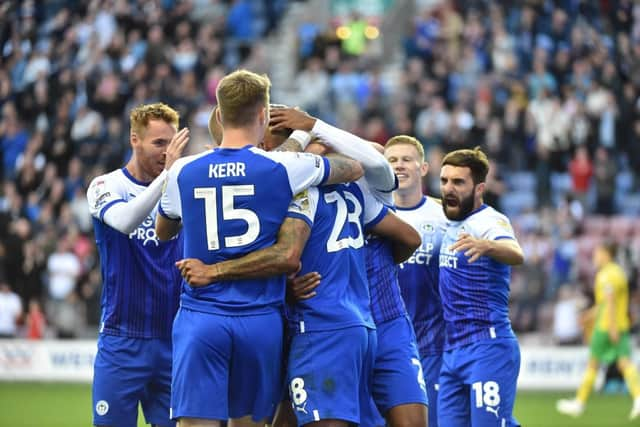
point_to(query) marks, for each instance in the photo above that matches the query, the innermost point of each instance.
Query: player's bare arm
(343, 169)
(167, 229)
(283, 257)
(506, 251)
(405, 239)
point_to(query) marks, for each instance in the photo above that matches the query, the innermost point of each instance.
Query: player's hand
(290, 118)
(473, 248)
(175, 147)
(302, 287)
(194, 271)
(317, 147)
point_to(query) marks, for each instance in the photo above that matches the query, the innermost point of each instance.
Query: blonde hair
(241, 95)
(142, 114)
(407, 140)
(474, 159)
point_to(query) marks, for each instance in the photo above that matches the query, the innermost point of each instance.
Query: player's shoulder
(488, 214)
(284, 157)
(110, 180)
(487, 217)
(180, 163)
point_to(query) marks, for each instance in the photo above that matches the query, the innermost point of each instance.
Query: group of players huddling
(295, 274)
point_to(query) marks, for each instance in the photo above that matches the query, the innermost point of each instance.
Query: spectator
(566, 316)
(35, 321)
(10, 311)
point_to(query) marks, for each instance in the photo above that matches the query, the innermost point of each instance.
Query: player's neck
(138, 172)
(407, 200)
(238, 138)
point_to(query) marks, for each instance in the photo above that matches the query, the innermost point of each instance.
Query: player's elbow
(413, 240)
(290, 261)
(517, 257)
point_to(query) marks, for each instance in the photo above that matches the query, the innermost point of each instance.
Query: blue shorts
(397, 373)
(329, 373)
(226, 366)
(431, 368)
(478, 383)
(128, 371)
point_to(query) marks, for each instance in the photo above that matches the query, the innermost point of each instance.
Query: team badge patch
(102, 407)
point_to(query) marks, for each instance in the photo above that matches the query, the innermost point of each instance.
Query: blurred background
(549, 89)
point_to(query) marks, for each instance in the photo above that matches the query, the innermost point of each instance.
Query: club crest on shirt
(427, 228)
(504, 224)
(300, 201)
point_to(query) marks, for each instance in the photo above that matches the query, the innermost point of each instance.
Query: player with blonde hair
(140, 285)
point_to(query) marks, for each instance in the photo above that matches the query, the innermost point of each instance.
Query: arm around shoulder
(343, 169)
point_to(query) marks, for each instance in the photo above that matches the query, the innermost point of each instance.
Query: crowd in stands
(550, 89)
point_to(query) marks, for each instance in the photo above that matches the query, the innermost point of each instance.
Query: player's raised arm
(343, 169)
(377, 170)
(169, 216)
(123, 215)
(405, 239)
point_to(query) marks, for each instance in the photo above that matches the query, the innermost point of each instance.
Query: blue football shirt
(338, 216)
(418, 276)
(140, 284)
(232, 202)
(475, 297)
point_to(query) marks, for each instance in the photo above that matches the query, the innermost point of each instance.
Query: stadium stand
(528, 81)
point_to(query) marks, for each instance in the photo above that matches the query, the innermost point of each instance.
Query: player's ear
(480, 189)
(424, 168)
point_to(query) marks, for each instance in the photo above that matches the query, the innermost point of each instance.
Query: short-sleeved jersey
(232, 202)
(338, 216)
(475, 297)
(418, 276)
(611, 279)
(140, 284)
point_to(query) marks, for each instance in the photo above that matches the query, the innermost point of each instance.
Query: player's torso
(418, 276)
(140, 284)
(474, 296)
(335, 249)
(611, 278)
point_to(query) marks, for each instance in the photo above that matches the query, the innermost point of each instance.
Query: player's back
(233, 202)
(419, 275)
(475, 297)
(335, 249)
(141, 287)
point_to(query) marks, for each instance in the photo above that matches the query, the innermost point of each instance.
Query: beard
(462, 209)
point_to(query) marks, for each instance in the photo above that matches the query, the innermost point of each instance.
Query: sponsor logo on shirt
(146, 232)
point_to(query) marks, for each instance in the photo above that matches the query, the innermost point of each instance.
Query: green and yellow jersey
(611, 279)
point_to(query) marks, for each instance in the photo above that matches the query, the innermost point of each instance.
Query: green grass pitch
(69, 405)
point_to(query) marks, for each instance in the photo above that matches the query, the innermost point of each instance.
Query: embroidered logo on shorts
(102, 407)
